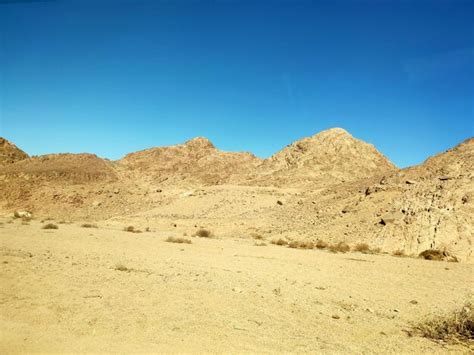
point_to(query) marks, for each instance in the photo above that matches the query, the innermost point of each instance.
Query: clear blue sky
(111, 77)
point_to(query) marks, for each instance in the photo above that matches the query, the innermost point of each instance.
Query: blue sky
(111, 77)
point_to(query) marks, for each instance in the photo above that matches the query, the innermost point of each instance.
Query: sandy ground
(60, 292)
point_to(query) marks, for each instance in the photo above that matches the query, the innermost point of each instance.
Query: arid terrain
(313, 249)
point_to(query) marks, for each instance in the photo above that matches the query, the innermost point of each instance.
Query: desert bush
(279, 241)
(178, 240)
(438, 255)
(132, 229)
(293, 244)
(50, 226)
(321, 244)
(362, 248)
(121, 267)
(340, 247)
(306, 244)
(366, 249)
(455, 327)
(399, 252)
(89, 225)
(203, 233)
(256, 236)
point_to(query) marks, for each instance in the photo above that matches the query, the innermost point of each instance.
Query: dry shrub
(89, 225)
(203, 233)
(132, 229)
(178, 240)
(362, 248)
(121, 267)
(438, 255)
(366, 249)
(50, 226)
(260, 244)
(399, 252)
(293, 244)
(279, 241)
(455, 327)
(306, 245)
(256, 236)
(321, 244)
(340, 247)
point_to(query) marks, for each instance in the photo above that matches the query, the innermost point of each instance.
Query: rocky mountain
(196, 162)
(329, 157)
(331, 186)
(10, 153)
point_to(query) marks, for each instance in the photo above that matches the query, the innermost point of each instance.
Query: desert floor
(61, 291)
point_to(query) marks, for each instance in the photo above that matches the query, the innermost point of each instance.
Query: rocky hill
(10, 153)
(196, 162)
(329, 157)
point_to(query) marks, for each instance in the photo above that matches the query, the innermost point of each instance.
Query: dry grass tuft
(293, 244)
(132, 229)
(178, 240)
(89, 225)
(340, 247)
(321, 244)
(203, 233)
(121, 267)
(279, 241)
(399, 253)
(364, 248)
(257, 236)
(260, 244)
(50, 226)
(302, 244)
(455, 327)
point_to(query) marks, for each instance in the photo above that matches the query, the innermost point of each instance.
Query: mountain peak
(200, 142)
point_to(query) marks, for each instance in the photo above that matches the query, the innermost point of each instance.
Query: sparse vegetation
(89, 225)
(340, 247)
(260, 244)
(50, 226)
(301, 244)
(279, 241)
(178, 240)
(455, 327)
(132, 229)
(438, 255)
(321, 244)
(203, 233)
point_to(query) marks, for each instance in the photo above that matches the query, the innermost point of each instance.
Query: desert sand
(62, 291)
